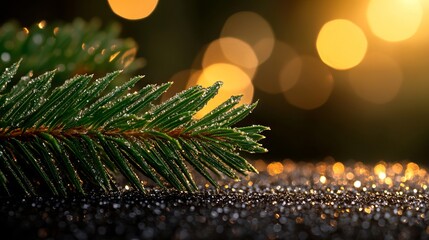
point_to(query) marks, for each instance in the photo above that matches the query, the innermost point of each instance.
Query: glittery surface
(286, 200)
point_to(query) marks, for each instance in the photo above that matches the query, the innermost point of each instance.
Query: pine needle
(74, 139)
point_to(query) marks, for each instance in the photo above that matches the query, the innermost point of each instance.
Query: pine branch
(74, 138)
(71, 48)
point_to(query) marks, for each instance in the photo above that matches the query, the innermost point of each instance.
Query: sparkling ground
(286, 200)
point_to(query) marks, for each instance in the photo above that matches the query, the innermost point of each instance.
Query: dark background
(345, 127)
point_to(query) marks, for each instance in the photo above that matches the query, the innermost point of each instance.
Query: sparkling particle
(367, 210)
(56, 30)
(322, 179)
(26, 31)
(311, 202)
(41, 24)
(113, 56)
(357, 184)
(299, 220)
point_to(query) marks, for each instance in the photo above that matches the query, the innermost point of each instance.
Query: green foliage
(75, 138)
(71, 48)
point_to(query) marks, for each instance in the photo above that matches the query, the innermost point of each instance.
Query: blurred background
(345, 79)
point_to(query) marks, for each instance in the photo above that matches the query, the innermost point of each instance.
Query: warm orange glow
(253, 29)
(235, 82)
(397, 168)
(338, 168)
(380, 170)
(56, 30)
(362, 176)
(321, 167)
(367, 210)
(275, 168)
(394, 20)
(350, 176)
(238, 52)
(260, 165)
(233, 51)
(193, 78)
(388, 181)
(341, 44)
(111, 58)
(377, 79)
(133, 9)
(288, 76)
(232, 77)
(41, 24)
(411, 170)
(314, 85)
(422, 173)
(289, 165)
(128, 57)
(413, 167)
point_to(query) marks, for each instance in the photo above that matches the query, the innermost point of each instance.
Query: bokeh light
(338, 168)
(263, 40)
(380, 170)
(238, 52)
(260, 165)
(341, 44)
(377, 79)
(133, 9)
(394, 20)
(275, 168)
(272, 75)
(128, 57)
(357, 184)
(314, 84)
(233, 51)
(193, 78)
(235, 82)
(253, 29)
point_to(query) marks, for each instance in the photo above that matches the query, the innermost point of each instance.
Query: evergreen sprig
(72, 48)
(75, 138)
